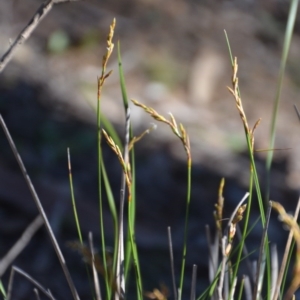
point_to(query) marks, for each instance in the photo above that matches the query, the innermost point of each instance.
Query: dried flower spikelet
(157, 294)
(153, 127)
(220, 204)
(173, 121)
(256, 125)
(110, 44)
(217, 217)
(235, 70)
(232, 231)
(239, 214)
(179, 132)
(228, 249)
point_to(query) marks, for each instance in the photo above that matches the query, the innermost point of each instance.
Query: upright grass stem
(73, 198)
(75, 213)
(2, 289)
(121, 256)
(112, 207)
(131, 247)
(188, 201)
(286, 47)
(249, 133)
(101, 80)
(181, 133)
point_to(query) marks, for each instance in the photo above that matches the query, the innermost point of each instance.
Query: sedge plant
(227, 250)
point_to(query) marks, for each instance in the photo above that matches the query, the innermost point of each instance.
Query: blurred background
(175, 60)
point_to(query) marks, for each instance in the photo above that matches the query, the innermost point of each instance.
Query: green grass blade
(100, 81)
(211, 288)
(285, 274)
(245, 229)
(131, 218)
(75, 211)
(184, 251)
(257, 187)
(73, 198)
(285, 52)
(102, 230)
(131, 246)
(264, 254)
(113, 211)
(100, 196)
(2, 290)
(228, 47)
(122, 80)
(121, 255)
(248, 139)
(241, 289)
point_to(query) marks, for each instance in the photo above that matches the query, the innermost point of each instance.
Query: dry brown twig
(40, 209)
(22, 242)
(40, 14)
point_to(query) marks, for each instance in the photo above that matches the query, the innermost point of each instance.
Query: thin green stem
(285, 52)
(245, 230)
(75, 211)
(289, 259)
(73, 198)
(2, 290)
(102, 230)
(184, 251)
(112, 206)
(241, 289)
(253, 171)
(131, 247)
(131, 213)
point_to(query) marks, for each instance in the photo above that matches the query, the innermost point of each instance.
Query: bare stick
(95, 275)
(248, 291)
(223, 267)
(213, 252)
(194, 278)
(40, 209)
(20, 244)
(235, 211)
(29, 278)
(26, 32)
(297, 111)
(36, 291)
(274, 269)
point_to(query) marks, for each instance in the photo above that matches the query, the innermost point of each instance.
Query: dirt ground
(175, 60)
